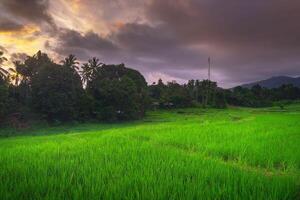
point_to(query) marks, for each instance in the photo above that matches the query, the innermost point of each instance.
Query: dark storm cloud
(155, 46)
(248, 39)
(144, 38)
(89, 40)
(140, 46)
(271, 23)
(35, 11)
(83, 45)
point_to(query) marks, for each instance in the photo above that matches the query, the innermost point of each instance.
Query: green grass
(235, 153)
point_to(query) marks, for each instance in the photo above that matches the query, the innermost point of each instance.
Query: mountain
(275, 82)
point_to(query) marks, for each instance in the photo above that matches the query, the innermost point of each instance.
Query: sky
(167, 39)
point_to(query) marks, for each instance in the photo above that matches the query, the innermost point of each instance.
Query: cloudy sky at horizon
(168, 39)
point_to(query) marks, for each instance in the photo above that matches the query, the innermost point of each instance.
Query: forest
(40, 89)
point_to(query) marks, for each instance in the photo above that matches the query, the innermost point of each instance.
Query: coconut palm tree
(3, 72)
(2, 58)
(94, 65)
(14, 74)
(85, 73)
(90, 69)
(71, 62)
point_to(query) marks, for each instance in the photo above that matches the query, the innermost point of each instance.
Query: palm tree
(85, 73)
(71, 62)
(90, 69)
(95, 65)
(14, 74)
(3, 72)
(2, 58)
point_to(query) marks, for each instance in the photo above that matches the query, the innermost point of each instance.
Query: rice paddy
(236, 153)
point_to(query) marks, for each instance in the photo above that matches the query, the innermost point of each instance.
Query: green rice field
(235, 153)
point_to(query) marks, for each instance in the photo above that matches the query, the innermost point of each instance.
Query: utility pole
(207, 98)
(209, 68)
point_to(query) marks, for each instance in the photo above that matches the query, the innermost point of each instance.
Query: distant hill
(275, 82)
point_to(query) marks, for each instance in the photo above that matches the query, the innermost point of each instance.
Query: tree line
(206, 93)
(39, 88)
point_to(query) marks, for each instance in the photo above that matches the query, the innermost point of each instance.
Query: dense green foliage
(173, 94)
(3, 99)
(38, 88)
(261, 97)
(170, 95)
(42, 89)
(207, 93)
(234, 153)
(56, 91)
(119, 93)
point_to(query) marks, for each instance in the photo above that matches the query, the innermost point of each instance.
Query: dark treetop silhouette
(39, 88)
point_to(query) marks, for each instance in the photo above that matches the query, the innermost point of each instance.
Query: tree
(288, 92)
(90, 70)
(54, 95)
(156, 90)
(71, 62)
(118, 100)
(260, 96)
(3, 72)
(3, 99)
(14, 89)
(207, 90)
(219, 99)
(32, 64)
(119, 93)
(85, 73)
(178, 95)
(170, 95)
(2, 58)
(193, 89)
(14, 74)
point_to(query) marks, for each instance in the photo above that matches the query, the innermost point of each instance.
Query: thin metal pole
(209, 68)
(208, 89)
